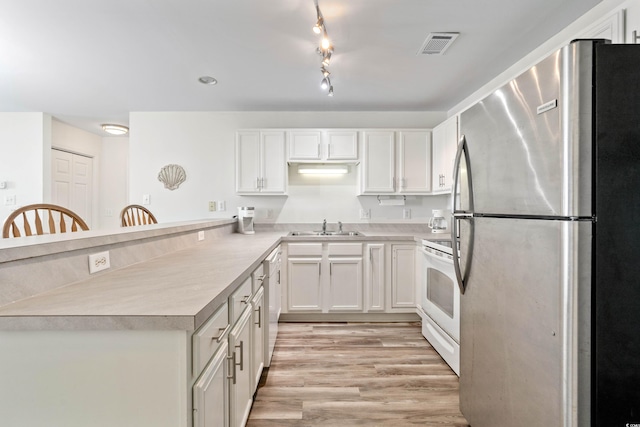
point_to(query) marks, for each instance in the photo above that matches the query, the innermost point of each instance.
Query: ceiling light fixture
(325, 49)
(115, 129)
(207, 80)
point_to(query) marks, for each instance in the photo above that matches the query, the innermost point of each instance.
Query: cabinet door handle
(261, 278)
(246, 299)
(241, 364)
(222, 332)
(259, 310)
(320, 269)
(262, 180)
(232, 368)
(257, 183)
(330, 269)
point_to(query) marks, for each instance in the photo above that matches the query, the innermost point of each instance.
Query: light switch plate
(212, 207)
(200, 235)
(406, 213)
(99, 262)
(222, 205)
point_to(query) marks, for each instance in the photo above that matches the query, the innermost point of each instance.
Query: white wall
(203, 143)
(114, 180)
(25, 140)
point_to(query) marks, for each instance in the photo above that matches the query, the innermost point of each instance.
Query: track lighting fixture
(325, 49)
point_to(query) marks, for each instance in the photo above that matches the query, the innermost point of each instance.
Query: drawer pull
(241, 364)
(261, 278)
(223, 331)
(246, 299)
(232, 368)
(259, 311)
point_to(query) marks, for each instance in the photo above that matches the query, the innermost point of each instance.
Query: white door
(72, 177)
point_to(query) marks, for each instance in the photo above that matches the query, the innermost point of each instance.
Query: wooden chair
(136, 215)
(21, 217)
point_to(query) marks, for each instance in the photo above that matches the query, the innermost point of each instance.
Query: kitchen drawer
(239, 300)
(305, 249)
(345, 249)
(208, 338)
(257, 278)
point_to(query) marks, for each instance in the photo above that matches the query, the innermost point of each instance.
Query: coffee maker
(245, 219)
(438, 222)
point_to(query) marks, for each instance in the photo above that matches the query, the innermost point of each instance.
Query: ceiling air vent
(437, 43)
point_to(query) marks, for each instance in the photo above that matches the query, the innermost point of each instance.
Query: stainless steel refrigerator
(547, 218)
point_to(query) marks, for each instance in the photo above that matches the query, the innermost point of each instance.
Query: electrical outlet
(269, 213)
(222, 205)
(406, 213)
(108, 212)
(212, 206)
(365, 214)
(200, 235)
(146, 199)
(99, 262)
(3, 185)
(10, 200)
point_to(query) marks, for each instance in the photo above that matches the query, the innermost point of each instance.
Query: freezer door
(530, 141)
(521, 348)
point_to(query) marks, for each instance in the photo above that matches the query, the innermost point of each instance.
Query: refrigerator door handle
(461, 215)
(455, 189)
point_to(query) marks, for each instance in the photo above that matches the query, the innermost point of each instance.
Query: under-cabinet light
(323, 169)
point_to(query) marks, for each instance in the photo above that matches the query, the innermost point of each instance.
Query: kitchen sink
(325, 233)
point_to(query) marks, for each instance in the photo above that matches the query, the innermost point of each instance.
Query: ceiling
(91, 62)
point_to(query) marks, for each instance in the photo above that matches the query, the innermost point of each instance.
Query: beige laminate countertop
(176, 291)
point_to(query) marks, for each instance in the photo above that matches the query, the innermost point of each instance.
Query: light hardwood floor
(356, 374)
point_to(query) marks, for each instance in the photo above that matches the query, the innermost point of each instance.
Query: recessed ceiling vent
(437, 43)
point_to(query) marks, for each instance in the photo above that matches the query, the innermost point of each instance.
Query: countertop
(176, 291)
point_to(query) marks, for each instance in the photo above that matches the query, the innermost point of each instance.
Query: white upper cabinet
(414, 166)
(445, 144)
(305, 145)
(396, 162)
(309, 145)
(260, 162)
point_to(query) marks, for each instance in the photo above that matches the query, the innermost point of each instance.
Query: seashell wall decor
(172, 176)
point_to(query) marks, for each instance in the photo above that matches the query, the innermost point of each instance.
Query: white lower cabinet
(211, 393)
(375, 277)
(403, 285)
(240, 390)
(257, 337)
(345, 284)
(324, 277)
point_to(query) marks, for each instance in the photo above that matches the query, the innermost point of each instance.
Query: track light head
(324, 71)
(325, 83)
(330, 91)
(319, 27)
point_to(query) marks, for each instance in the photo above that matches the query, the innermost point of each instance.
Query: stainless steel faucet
(324, 226)
(340, 227)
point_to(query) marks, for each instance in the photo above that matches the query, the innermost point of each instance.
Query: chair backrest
(30, 217)
(136, 215)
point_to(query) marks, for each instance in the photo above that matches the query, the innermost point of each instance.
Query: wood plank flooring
(356, 374)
